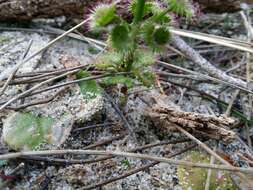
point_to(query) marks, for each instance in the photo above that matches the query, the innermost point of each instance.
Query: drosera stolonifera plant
(132, 45)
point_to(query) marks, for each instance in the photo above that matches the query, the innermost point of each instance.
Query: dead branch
(204, 64)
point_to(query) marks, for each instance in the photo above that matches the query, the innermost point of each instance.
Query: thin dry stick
(80, 80)
(247, 24)
(16, 69)
(57, 161)
(134, 171)
(78, 36)
(205, 76)
(47, 30)
(102, 125)
(47, 81)
(28, 92)
(49, 72)
(122, 117)
(46, 46)
(167, 74)
(106, 141)
(35, 87)
(27, 81)
(45, 101)
(204, 146)
(228, 42)
(76, 81)
(230, 105)
(177, 52)
(126, 154)
(209, 173)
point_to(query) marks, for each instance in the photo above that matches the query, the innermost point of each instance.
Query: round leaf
(161, 36)
(120, 38)
(103, 15)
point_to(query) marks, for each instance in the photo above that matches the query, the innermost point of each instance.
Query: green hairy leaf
(179, 7)
(156, 37)
(120, 38)
(89, 89)
(143, 59)
(27, 131)
(103, 15)
(129, 82)
(161, 36)
(148, 7)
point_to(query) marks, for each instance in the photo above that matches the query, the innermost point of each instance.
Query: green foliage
(161, 35)
(179, 7)
(148, 7)
(89, 89)
(139, 13)
(195, 178)
(129, 82)
(120, 38)
(126, 50)
(93, 50)
(126, 163)
(103, 15)
(27, 131)
(147, 78)
(109, 61)
(143, 59)
(156, 37)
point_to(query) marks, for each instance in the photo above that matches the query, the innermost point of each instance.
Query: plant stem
(139, 12)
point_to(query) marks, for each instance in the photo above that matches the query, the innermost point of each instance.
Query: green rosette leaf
(120, 38)
(102, 15)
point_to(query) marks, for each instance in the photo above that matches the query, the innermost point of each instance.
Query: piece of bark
(165, 115)
(218, 6)
(30, 9)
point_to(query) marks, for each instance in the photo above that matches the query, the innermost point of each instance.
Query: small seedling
(126, 163)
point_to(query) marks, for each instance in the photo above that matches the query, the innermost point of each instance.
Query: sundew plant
(133, 44)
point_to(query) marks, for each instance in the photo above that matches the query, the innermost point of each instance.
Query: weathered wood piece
(30, 9)
(218, 6)
(165, 116)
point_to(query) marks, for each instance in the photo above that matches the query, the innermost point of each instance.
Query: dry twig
(126, 154)
(16, 69)
(204, 64)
